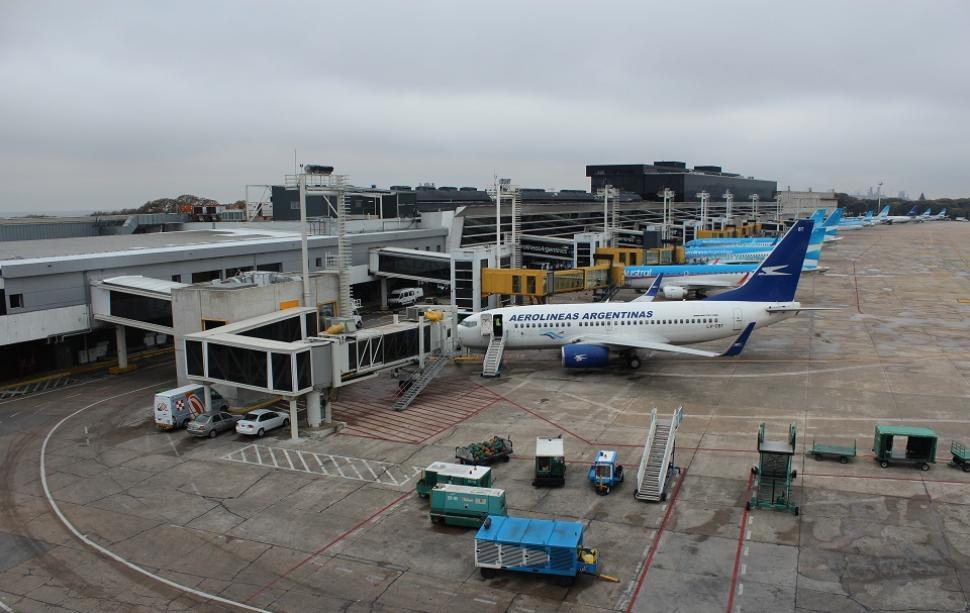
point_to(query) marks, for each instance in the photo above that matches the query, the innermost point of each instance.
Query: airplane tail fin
(818, 216)
(651, 293)
(834, 218)
(913, 210)
(776, 279)
(884, 212)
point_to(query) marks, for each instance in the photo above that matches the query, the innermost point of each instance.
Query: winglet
(651, 293)
(738, 345)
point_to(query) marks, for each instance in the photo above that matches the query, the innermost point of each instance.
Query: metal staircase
(416, 384)
(656, 465)
(774, 473)
(492, 364)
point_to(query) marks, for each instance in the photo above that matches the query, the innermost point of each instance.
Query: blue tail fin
(913, 210)
(818, 216)
(776, 279)
(834, 218)
(885, 211)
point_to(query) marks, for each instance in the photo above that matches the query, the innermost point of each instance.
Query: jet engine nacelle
(580, 355)
(674, 292)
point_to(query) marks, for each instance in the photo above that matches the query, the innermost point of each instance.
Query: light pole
(729, 201)
(704, 196)
(754, 205)
(878, 197)
(668, 195)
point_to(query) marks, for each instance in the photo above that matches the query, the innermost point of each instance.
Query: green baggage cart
(961, 458)
(919, 447)
(460, 505)
(550, 463)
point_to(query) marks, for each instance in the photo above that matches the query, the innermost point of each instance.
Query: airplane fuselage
(554, 325)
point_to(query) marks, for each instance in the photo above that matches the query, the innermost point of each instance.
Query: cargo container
(550, 463)
(539, 546)
(455, 474)
(460, 505)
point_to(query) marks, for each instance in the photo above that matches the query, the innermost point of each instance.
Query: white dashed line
(744, 569)
(746, 549)
(345, 570)
(484, 600)
(747, 535)
(740, 589)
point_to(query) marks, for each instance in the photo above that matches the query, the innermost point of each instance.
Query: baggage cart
(455, 474)
(919, 448)
(961, 458)
(486, 453)
(842, 453)
(550, 469)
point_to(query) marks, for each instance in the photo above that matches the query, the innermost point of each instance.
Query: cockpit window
(469, 322)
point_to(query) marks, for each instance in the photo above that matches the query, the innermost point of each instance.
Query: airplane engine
(581, 355)
(673, 292)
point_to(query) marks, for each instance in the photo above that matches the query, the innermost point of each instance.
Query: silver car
(211, 423)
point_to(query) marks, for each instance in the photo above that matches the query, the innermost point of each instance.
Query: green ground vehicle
(550, 463)
(919, 448)
(843, 453)
(460, 505)
(961, 457)
(455, 474)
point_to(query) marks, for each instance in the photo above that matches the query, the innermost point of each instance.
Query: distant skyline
(107, 105)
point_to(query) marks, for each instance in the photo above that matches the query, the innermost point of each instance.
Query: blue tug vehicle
(605, 473)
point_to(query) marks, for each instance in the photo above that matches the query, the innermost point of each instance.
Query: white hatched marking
(744, 569)
(740, 589)
(325, 471)
(374, 471)
(351, 463)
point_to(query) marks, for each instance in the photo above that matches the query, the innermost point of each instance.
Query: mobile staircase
(657, 463)
(417, 382)
(774, 475)
(492, 364)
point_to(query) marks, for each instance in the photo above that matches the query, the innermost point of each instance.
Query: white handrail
(675, 421)
(646, 450)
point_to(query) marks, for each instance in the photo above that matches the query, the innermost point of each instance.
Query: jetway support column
(207, 396)
(313, 408)
(383, 284)
(294, 426)
(122, 344)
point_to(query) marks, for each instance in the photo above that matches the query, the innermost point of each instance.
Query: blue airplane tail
(834, 218)
(776, 279)
(913, 210)
(884, 212)
(818, 216)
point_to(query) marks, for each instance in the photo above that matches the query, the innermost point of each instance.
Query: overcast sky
(110, 104)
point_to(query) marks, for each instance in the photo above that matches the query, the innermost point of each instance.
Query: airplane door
(486, 325)
(497, 326)
(738, 319)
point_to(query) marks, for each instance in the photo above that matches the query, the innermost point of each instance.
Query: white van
(405, 296)
(175, 408)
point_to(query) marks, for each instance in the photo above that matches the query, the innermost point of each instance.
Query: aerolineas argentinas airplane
(587, 333)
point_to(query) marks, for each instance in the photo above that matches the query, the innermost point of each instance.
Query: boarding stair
(492, 364)
(417, 382)
(657, 463)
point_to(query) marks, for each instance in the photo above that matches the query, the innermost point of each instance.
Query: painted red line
(548, 421)
(392, 418)
(329, 545)
(883, 478)
(431, 436)
(348, 432)
(656, 542)
(737, 554)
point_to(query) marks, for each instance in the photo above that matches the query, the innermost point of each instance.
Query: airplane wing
(657, 345)
(794, 309)
(651, 293)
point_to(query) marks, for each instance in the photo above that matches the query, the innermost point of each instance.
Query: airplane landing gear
(633, 361)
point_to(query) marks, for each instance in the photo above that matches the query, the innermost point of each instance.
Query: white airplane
(588, 333)
(908, 217)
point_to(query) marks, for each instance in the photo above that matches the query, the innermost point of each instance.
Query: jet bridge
(282, 353)
(135, 301)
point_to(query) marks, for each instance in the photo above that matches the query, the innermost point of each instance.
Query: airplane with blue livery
(817, 217)
(908, 217)
(587, 334)
(753, 253)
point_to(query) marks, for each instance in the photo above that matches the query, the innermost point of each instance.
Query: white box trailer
(175, 408)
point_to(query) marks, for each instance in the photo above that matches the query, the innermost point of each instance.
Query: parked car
(212, 423)
(260, 421)
(405, 296)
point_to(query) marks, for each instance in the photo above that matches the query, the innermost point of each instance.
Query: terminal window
(16, 301)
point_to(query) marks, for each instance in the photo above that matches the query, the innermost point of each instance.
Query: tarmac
(331, 522)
